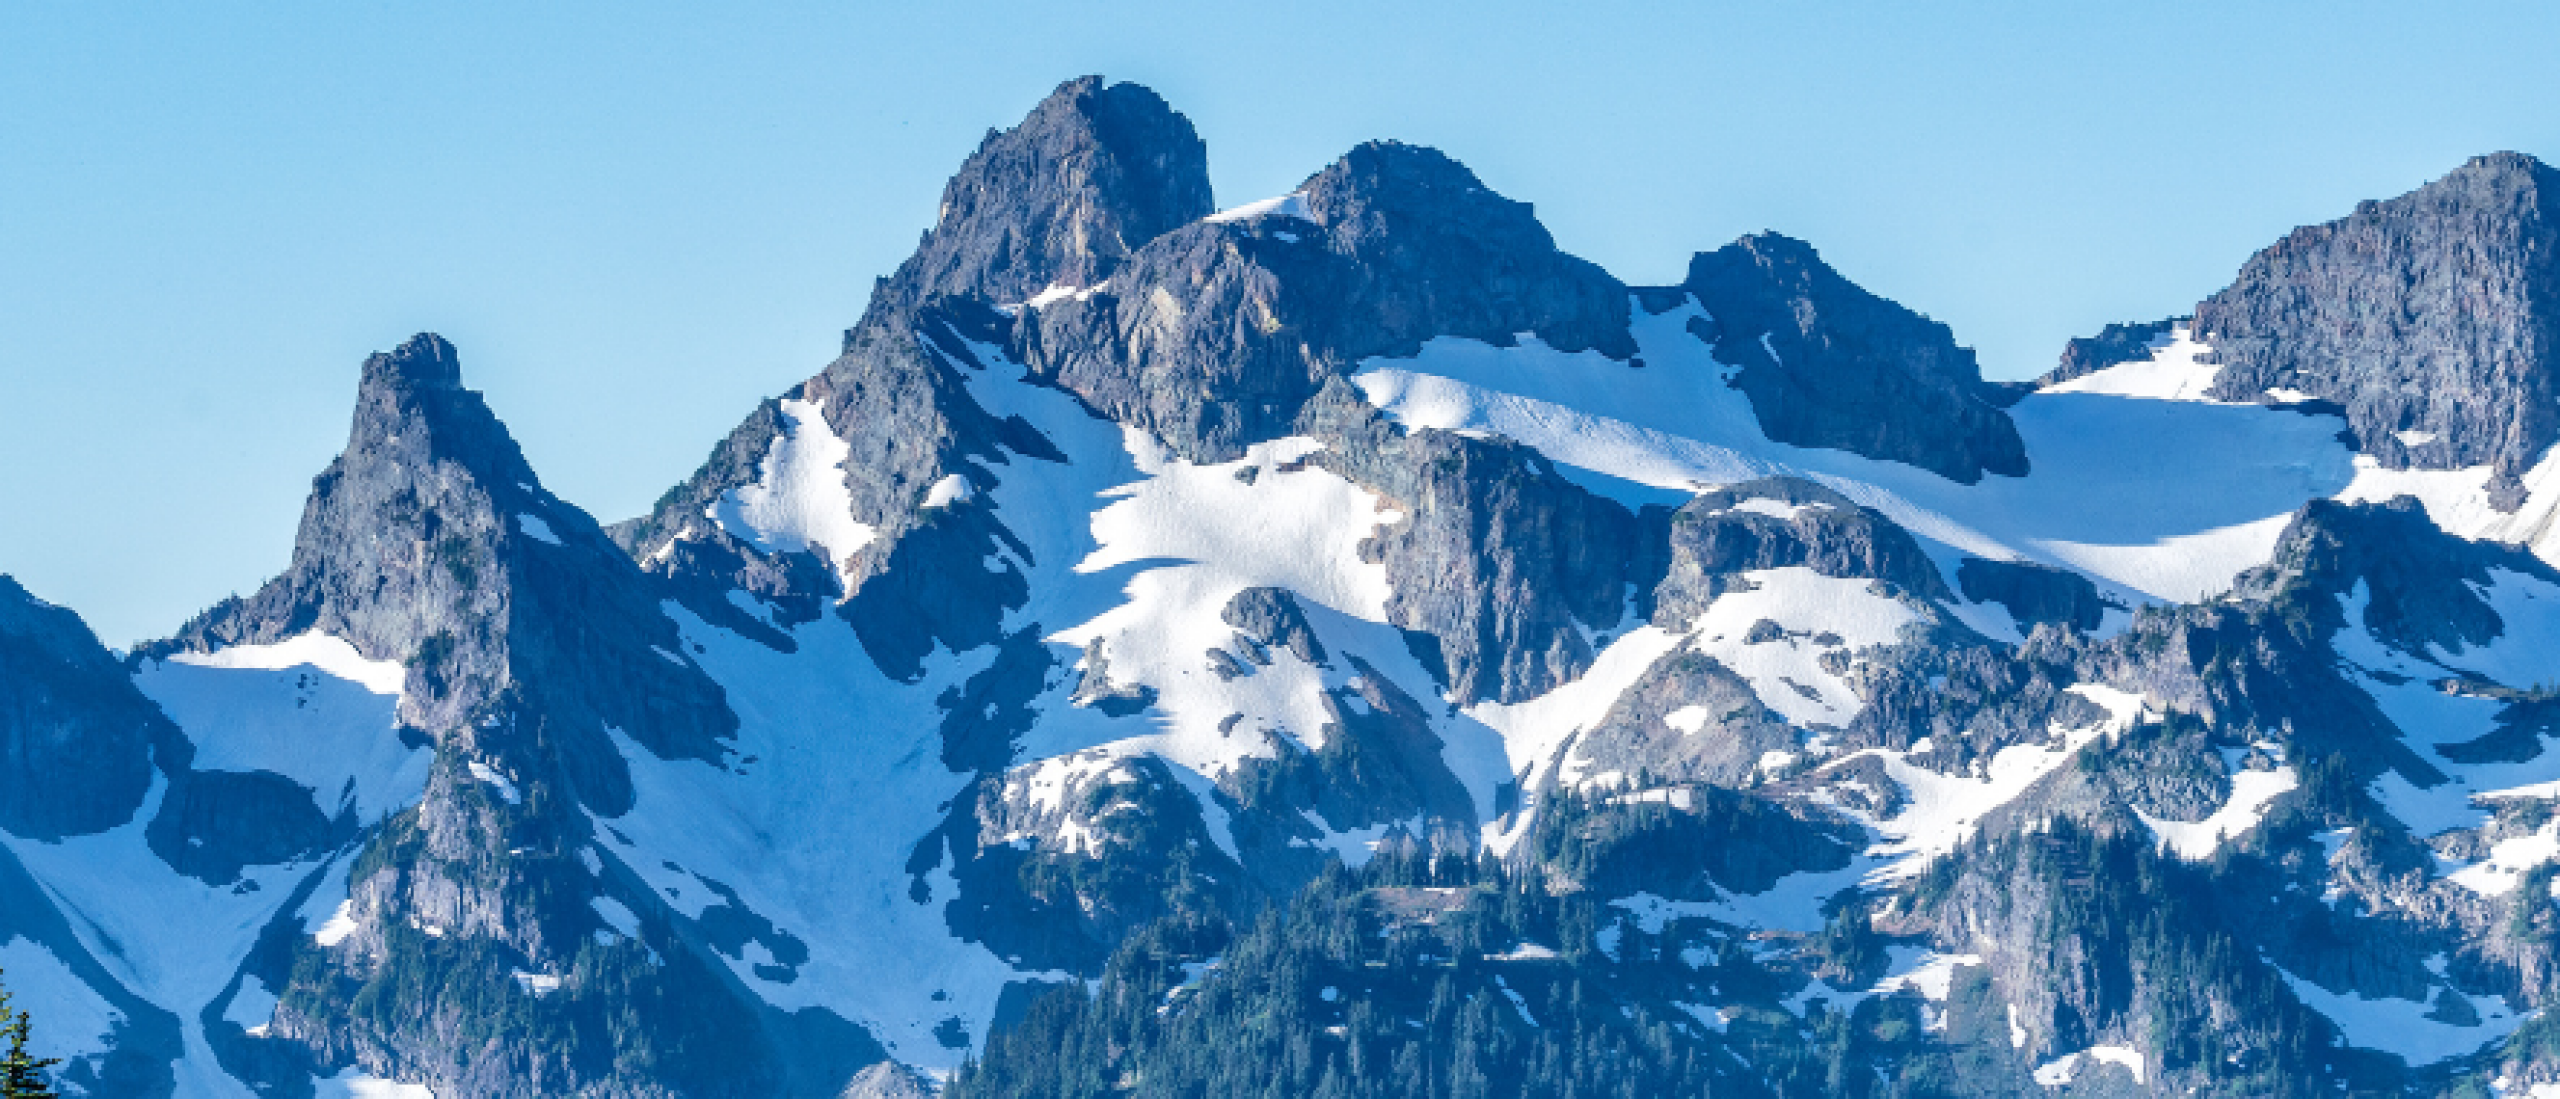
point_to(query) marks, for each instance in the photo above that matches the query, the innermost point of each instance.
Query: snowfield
(2157, 495)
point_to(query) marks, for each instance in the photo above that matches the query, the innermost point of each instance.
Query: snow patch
(2401, 1027)
(952, 489)
(355, 1083)
(2059, 1071)
(323, 652)
(506, 787)
(534, 528)
(2251, 792)
(799, 499)
(1291, 205)
(1687, 719)
(2174, 372)
(72, 1020)
(2158, 500)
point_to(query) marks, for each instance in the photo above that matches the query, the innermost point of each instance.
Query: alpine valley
(1343, 645)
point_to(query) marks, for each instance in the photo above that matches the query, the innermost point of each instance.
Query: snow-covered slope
(1135, 565)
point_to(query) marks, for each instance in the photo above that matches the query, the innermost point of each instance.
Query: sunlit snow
(799, 499)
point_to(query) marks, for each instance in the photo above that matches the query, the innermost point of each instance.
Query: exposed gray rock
(1702, 549)
(1497, 557)
(2034, 594)
(1271, 619)
(1216, 336)
(1827, 364)
(2436, 313)
(76, 738)
(2114, 345)
(1058, 860)
(431, 542)
(1062, 199)
(1635, 741)
(1093, 173)
(887, 1080)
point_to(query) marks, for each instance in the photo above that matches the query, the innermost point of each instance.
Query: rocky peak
(1217, 336)
(2423, 589)
(426, 361)
(429, 541)
(2433, 318)
(1437, 253)
(1827, 364)
(1095, 171)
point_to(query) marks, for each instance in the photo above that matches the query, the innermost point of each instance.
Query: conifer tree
(21, 1073)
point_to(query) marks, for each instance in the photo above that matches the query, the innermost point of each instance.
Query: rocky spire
(429, 541)
(2434, 318)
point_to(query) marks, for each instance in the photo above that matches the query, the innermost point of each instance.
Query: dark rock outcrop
(2435, 314)
(431, 542)
(2114, 345)
(2034, 594)
(1216, 336)
(76, 738)
(1496, 557)
(1062, 199)
(1827, 364)
(1704, 547)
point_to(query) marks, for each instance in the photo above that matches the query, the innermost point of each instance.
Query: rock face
(1497, 557)
(2434, 318)
(1080, 686)
(1096, 171)
(2034, 594)
(76, 738)
(431, 543)
(2114, 345)
(1827, 364)
(1216, 336)
(1716, 537)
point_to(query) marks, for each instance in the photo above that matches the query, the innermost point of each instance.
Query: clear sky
(637, 219)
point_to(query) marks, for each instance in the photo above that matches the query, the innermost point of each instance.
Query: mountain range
(1342, 644)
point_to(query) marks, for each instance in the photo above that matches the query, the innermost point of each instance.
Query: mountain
(1344, 644)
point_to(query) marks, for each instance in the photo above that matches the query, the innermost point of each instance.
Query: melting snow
(1788, 673)
(1943, 810)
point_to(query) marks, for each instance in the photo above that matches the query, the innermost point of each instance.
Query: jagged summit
(1828, 364)
(430, 542)
(1093, 173)
(2434, 318)
(1386, 651)
(424, 361)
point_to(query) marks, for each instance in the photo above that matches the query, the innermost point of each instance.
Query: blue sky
(637, 219)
